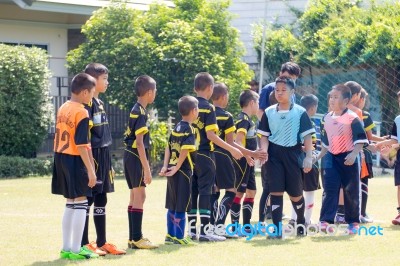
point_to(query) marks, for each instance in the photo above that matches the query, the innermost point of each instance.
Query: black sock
(299, 209)
(204, 210)
(340, 210)
(398, 210)
(137, 218)
(130, 222)
(85, 235)
(247, 210)
(225, 206)
(263, 205)
(364, 196)
(99, 218)
(276, 209)
(214, 207)
(235, 211)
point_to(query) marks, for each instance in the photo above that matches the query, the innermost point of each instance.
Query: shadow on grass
(69, 262)
(263, 241)
(327, 238)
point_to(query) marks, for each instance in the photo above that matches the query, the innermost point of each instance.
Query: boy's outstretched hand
(249, 160)
(350, 158)
(307, 164)
(236, 153)
(260, 154)
(92, 179)
(163, 171)
(147, 177)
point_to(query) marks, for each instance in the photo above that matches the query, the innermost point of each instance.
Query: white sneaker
(211, 238)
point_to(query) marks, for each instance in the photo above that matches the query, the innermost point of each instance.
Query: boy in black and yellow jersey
(204, 173)
(245, 174)
(178, 168)
(136, 163)
(100, 139)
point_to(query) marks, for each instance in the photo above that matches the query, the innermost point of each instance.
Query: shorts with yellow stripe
(133, 168)
(178, 196)
(225, 174)
(204, 173)
(245, 176)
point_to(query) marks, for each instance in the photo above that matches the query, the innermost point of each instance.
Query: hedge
(20, 167)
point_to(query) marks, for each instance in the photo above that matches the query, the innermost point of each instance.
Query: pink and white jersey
(340, 134)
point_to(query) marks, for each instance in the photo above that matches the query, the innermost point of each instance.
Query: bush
(20, 167)
(159, 133)
(25, 105)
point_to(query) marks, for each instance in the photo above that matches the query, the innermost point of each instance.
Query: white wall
(249, 12)
(54, 36)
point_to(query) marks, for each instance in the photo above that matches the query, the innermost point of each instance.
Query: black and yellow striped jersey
(246, 125)
(100, 133)
(137, 124)
(368, 122)
(206, 121)
(225, 122)
(182, 138)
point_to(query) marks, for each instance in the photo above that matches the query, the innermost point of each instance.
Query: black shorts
(70, 177)
(264, 181)
(311, 179)
(102, 162)
(225, 172)
(284, 169)
(178, 196)
(397, 169)
(204, 173)
(133, 168)
(245, 176)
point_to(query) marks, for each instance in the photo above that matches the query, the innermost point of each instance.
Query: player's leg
(225, 205)
(242, 176)
(248, 201)
(263, 209)
(67, 225)
(340, 213)
(396, 221)
(192, 213)
(214, 204)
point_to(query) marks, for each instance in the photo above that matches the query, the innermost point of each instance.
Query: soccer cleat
(353, 228)
(169, 240)
(93, 247)
(211, 238)
(187, 241)
(64, 254)
(365, 219)
(193, 236)
(339, 219)
(272, 237)
(324, 227)
(83, 254)
(143, 243)
(112, 249)
(396, 221)
(92, 255)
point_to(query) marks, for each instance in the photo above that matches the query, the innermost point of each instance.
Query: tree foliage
(25, 105)
(169, 44)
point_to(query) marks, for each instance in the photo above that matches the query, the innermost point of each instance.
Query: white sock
(67, 226)
(309, 202)
(78, 224)
(294, 214)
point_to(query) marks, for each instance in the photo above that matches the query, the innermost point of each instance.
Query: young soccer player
(310, 179)
(100, 139)
(386, 146)
(283, 128)
(178, 168)
(245, 173)
(136, 163)
(204, 173)
(73, 170)
(343, 137)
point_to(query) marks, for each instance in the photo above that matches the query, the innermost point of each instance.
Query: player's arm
(167, 156)
(86, 154)
(212, 136)
(182, 157)
(143, 158)
(264, 143)
(308, 147)
(359, 140)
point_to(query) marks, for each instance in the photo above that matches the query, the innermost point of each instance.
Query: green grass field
(30, 232)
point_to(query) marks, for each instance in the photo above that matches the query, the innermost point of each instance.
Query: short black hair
(186, 104)
(143, 84)
(291, 68)
(81, 82)
(220, 89)
(354, 87)
(363, 94)
(202, 80)
(272, 98)
(96, 70)
(308, 101)
(289, 82)
(246, 97)
(344, 90)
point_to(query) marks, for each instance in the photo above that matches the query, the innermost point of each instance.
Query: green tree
(25, 105)
(169, 44)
